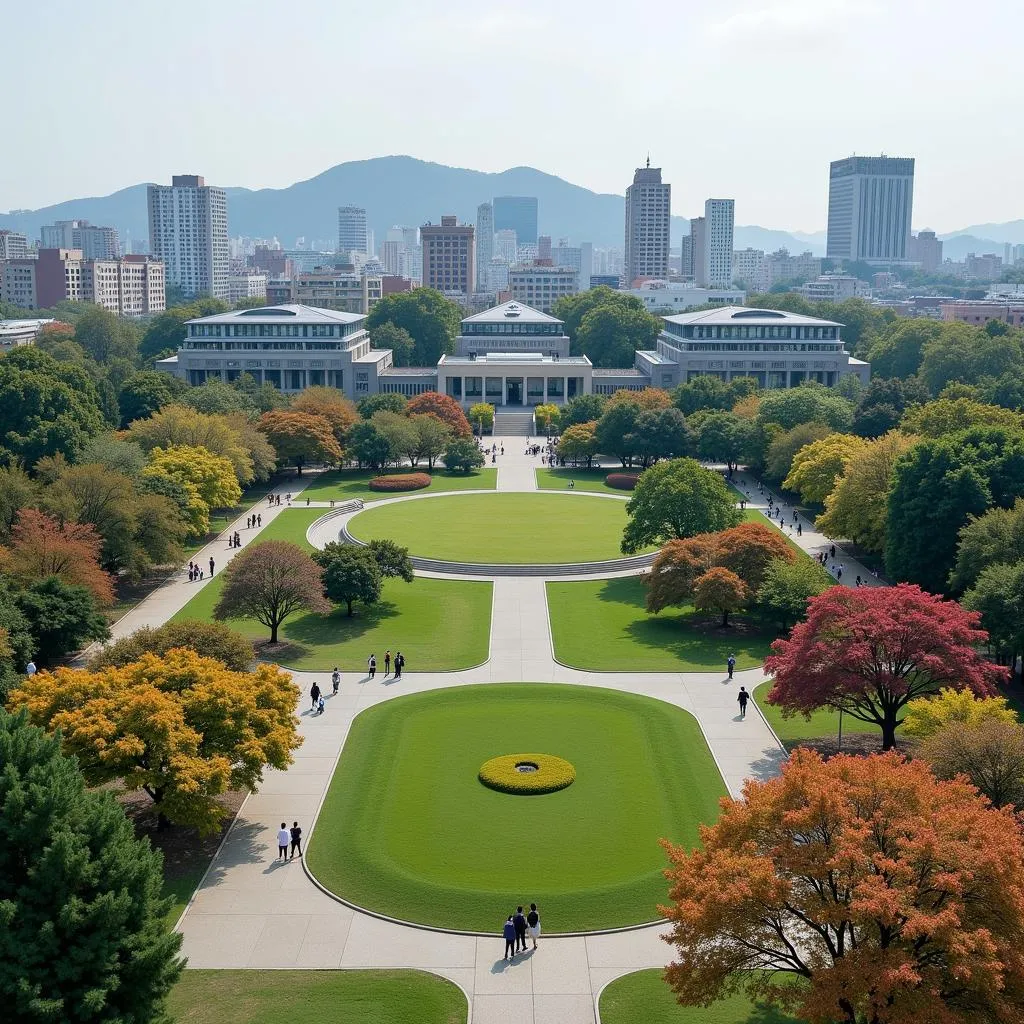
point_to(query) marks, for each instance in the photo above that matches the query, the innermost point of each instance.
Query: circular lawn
(408, 830)
(508, 529)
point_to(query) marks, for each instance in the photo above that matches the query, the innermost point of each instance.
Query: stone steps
(513, 424)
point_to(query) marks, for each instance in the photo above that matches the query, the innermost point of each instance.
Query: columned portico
(513, 378)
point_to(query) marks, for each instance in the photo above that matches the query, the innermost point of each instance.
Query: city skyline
(611, 133)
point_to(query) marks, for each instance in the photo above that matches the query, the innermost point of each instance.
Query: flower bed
(526, 774)
(400, 482)
(622, 481)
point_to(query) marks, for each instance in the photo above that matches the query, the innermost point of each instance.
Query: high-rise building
(188, 232)
(352, 229)
(506, 244)
(748, 269)
(698, 245)
(518, 214)
(448, 257)
(484, 244)
(926, 248)
(648, 213)
(542, 286)
(543, 247)
(686, 256)
(13, 246)
(96, 243)
(719, 215)
(870, 200)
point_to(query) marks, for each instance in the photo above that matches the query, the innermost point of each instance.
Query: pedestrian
(832, 551)
(211, 565)
(284, 837)
(307, 503)
(387, 664)
(839, 573)
(314, 695)
(509, 931)
(190, 568)
(277, 501)
(30, 668)
(799, 529)
(238, 541)
(320, 705)
(248, 520)
(296, 834)
(335, 680)
(743, 697)
(519, 920)
(259, 519)
(533, 924)
(730, 664)
(372, 665)
(399, 664)
(191, 574)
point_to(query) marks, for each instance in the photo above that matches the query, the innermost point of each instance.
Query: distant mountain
(768, 239)
(956, 246)
(1009, 231)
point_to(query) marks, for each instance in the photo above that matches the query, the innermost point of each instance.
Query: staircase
(513, 423)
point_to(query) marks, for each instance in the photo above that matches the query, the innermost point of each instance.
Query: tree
(207, 639)
(899, 350)
(41, 547)
(784, 444)
(808, 403)
(890, 896)
(578, 443)
(547, 417)
(963, 354)
(432, 437)
(330, 403)
(350, 574)
(659, 434)
(269, 582)
(610, 335)
(113, 452)
(719, 590)
(84, 936)
(615, 430)
(401, 435)
(146, 392)
(383, 401)
(462, 456)
(581, 409)
(927, 715)
(104, 336)
(703, 392)
(869, 651)
(63, 618)
(254, 441)
(481, 417)
(858, 507)
(400, 342)
(445, 408)
(17, 644)
(368, 446)
(573, 309)
(989, 753)
(181, 728)
(165, 332)
(299, 438)
(676, 569)
(210, 475)
(788, 586)
(949, 415)
(721, 436)
(998, 596)
(17, 491)
(749, 548)
(215, 396)
(676, 499)
(392, 560)
(817, 466)
(989, 539)
(424, 313)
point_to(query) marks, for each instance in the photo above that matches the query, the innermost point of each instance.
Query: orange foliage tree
(182, 728)
(332, 405)
(719, 590)
(748, 550)
(446, 409)
(41, 546)
(893, 898)
(647, 398)
(300, 437)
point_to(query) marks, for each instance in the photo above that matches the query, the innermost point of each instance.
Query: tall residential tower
(648, 212)
(484, 245)
(719, 215)
(870, 199)
(352, 236)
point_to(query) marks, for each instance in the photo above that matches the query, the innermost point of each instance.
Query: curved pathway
(251, 912)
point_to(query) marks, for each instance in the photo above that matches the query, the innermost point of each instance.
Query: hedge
(550, 775)
(400, 482)
(622, 481)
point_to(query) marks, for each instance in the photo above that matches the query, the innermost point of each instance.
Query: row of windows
(512, 328)
(687, 331)
(711, 346)
(266, 331)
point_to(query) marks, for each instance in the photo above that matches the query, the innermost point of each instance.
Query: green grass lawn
(644, 997)
(602, 625)
(316, 997)
(415, 835)
(346, 484)
(439, 625)
(586, 479)
(824, 722)
(506, 528)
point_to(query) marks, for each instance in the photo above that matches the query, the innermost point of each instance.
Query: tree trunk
(273, 632)
(725, 618)
(349, 603)
(889, 729)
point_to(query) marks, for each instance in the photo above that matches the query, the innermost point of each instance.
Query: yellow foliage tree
(946, 415)
(927, 715)
(182, 728)
(817, 466)
(208, 479)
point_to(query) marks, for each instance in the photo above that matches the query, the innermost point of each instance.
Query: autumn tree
(925, 716)
(817, 466)
(547, 416)
(41, 547)
(181, 728)
(989, 753)
(445, 408)
(481, 417)
(208, 480)
(787, 586)
(578, 444)
(719, 590)
(749, 548)
(300, 438)
(208, 639)
(330, 403)
(676, 499)
(84, 934)
(349, 574)
(677, 567)
(886, 894)
(269, 582)
(869, 651)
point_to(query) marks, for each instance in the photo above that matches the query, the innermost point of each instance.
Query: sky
(747, 99)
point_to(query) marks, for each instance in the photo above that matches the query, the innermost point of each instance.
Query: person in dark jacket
(509, 931)
(519, 920)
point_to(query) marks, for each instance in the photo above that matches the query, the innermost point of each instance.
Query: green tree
(113, 452)
(898, 351)
(84, 936)
(432, 437)
(217, 396)
(392, 560)
(609, 335)
(572, 309)
(462, 455)
(145, 392)
(383, 401)
(659, 434)
(677, 499)
(989, 539)
(721, 436)
(368, 446)
(581, 409)
(703, 392)
(808, 403)
(578, 443)
(165, 332)
(788, 586)
(616, 428)
(62, 617)
(998, 593)
(785, 444)
(402, 438)
(426, 315)
(18, 646)
(17, 491)
(390, 336)
(104, 336)
(207, 639)
(350, 574)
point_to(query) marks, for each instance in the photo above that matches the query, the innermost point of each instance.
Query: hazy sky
(742, 98)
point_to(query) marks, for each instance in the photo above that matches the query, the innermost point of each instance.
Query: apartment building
(540, 287)
(448, 256)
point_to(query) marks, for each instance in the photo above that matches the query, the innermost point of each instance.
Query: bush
(622, 481)
(209, 639)
(400, 482)
(551, 774)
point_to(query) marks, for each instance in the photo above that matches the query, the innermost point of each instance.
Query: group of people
(289, 837)
(275, 499)
(399, 662)
(253, 521)
(234, 541)
(195, 570)
(517, 927)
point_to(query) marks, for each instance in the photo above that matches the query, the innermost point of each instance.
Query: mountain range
(404, 190)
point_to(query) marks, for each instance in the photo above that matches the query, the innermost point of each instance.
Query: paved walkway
(251, 912)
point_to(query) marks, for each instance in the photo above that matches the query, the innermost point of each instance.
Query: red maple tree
(446, 409)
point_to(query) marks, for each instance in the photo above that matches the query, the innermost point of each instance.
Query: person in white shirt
(284, 837)
(30, 668)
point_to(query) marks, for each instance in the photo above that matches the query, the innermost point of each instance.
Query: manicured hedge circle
(622, 481)
(549, 774)
(400, 482)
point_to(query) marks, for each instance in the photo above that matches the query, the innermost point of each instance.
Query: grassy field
(346, 484)
(602, 625)
(586, 479)
(415, 835)
(506, 528)
(644, 997)
(821, 723)
(439, 625)
(316, 997)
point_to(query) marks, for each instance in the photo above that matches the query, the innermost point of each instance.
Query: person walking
(742, 697)
(211, 565)
(371, 664)
(314, 695)
(799, 529)
(259, 519)
(30, 668)
(320, 705)
(296, 834)
(519, 920)
(284, 837)
(533, 924)
(730, 664)
(509, 932)
(399, 664)
(387, 664)
(335, 681)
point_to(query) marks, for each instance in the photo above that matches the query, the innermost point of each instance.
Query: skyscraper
(188, 230)
(448, 256)
(648, 211)
(718, 221)
(870, 199)
(484, 244)
(352, 229)
(698, 244)
(96, 243)
(518, 214)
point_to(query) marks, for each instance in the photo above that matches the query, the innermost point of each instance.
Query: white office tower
(870, 202)
(352, 235)
(484, 244)
(718, 226)
(648, 215)
(505, 244)
(188, 231)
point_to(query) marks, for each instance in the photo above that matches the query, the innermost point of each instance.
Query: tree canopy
(431, 320)
(349, 574)
(300, 437)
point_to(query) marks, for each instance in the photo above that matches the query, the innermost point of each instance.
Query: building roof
(286, 313)
(409, 371)
(739, 316)
(516, 312)
(628, 371)
(510, 358)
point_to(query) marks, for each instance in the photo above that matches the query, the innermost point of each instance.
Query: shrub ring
(400, 482)
(622, 481)
(527, 774)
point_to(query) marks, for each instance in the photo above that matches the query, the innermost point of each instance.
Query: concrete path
(251, 912)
